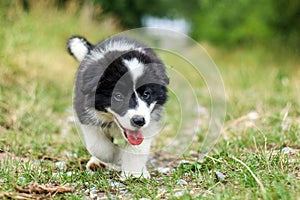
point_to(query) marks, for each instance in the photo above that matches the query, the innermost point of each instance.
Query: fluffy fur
(120, 88)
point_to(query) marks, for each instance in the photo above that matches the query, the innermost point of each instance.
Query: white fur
(134, 67)
(121, 45)
(134, 160)
(78, 49)
(131, 160)
(99, 145)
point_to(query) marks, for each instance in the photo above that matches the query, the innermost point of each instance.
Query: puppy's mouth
(134, 137)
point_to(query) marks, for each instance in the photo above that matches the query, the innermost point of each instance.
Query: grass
(39, 145)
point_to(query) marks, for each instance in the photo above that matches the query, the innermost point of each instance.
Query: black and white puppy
(120, 88)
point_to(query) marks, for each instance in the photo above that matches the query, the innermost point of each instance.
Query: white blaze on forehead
(135, 68)
(143, 109)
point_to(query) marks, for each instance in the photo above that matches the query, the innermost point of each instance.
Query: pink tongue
(135, 137)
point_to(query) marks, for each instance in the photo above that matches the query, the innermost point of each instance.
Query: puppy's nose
(137, 121)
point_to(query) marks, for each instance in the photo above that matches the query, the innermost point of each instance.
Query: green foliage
(224, 22)
(230, 22)
(130, 12)
(285, 20)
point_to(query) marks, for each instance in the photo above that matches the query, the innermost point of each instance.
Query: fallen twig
(44, 189)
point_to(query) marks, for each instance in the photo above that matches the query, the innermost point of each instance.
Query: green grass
(36, 78)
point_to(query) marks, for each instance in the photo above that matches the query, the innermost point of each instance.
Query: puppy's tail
(78, 47)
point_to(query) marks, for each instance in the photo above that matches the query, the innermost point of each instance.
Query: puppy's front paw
(146, 174)
(94, 164)
(127, 174)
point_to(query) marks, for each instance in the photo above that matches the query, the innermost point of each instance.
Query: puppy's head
(131, 85)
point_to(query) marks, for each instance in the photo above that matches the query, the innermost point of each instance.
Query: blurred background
(221, 22)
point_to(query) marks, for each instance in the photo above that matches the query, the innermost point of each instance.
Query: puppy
(120, 88)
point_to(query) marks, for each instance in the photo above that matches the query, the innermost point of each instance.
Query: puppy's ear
(78, 47)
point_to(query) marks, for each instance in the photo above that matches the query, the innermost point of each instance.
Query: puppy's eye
(118, 97)
(146, 94)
